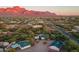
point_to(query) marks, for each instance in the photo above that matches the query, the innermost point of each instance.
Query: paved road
(38, 47)
(66, 33)
(62, 31)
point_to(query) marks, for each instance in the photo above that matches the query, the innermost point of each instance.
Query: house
(13, 21)
(76, 29)
(4, 44)
(40, 37)
(11, 26)
(55, 46)
(21, 44)
(37, 26)
(1, 21)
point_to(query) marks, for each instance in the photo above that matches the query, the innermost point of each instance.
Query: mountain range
(19, 11)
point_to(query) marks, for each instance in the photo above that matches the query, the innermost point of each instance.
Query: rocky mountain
(19, 11)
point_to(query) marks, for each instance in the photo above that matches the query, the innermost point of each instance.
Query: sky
(59, 10)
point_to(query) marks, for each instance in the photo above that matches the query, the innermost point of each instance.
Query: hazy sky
(60, 10)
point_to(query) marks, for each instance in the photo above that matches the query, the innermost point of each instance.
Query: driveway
(38, 47)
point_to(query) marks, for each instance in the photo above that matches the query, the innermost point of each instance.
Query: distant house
(37, 26)
(22, 45)
(41, 22)
(76, 29)
(13, 21)
(10, 26)
(1, 22)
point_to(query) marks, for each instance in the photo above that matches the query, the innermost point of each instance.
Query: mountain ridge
(19, 11)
